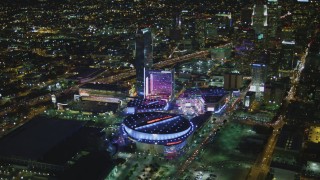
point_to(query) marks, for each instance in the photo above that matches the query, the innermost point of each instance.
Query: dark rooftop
(37, 137)
(95, 107)
(289, 139)
(147, 103)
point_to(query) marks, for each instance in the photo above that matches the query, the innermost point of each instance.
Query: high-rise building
(274, 11)
(312, 61)
(200, 31)
(143, 57)
(221, 53)
(223, 21)
(288, 33)
(288, 45)
(246, 18)
(259, 77)
(159, 84)
(274, 60)
(274, 92)
(260, 19)
(209, 29)
(232, 81)
(288, 62)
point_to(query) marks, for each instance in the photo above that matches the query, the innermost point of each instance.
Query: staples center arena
(157, 132)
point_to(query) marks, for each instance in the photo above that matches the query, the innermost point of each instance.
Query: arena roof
(155, 127)
(157, 123)
(147, 103)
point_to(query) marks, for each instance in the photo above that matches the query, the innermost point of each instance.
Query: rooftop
(147, 103)
(157, 123)
(34, 139)
(95, 107)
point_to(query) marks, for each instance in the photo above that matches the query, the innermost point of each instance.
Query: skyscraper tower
(143, 59)
(274, 11)
(246, 16)
(288, 61)
(259, 19)
(259, 77)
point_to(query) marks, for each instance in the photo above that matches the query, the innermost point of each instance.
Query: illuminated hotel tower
(143, 59)
(159, 84)
(259, 19)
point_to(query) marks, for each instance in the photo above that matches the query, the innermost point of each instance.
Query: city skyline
(160, 89)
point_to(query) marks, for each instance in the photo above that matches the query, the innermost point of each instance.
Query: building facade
(260, 19)
(259, 77)
(143, 57)
(159, 84)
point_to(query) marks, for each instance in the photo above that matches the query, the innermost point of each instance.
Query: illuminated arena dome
(146, 105)
(157, 128)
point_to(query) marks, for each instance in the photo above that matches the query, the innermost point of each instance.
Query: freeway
(131, 73)
(168, 62)
(111, 79)
(108, 80)
(187, 57)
